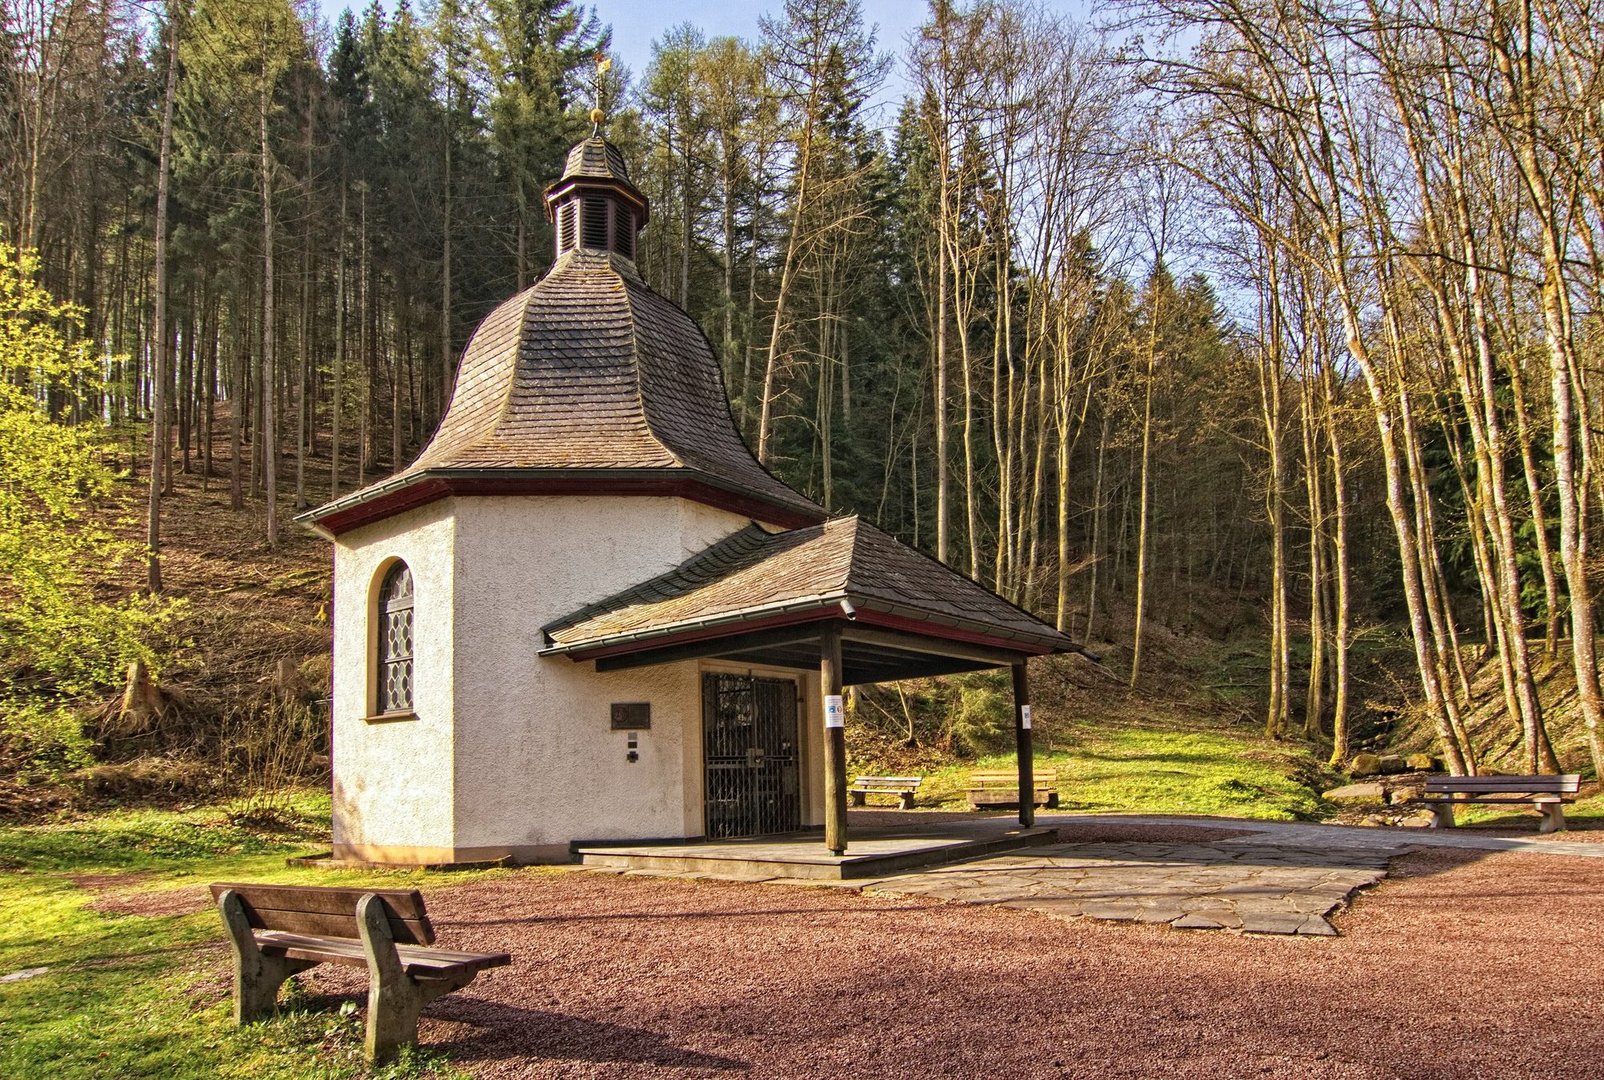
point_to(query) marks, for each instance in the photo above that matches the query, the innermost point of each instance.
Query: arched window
(395, 641)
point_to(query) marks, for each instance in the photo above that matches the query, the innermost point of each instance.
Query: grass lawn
(140, 995)
(1144, 771)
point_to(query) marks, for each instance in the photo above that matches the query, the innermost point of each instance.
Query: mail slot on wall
(632, 715)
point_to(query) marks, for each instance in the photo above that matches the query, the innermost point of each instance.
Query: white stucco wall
(537, 762)
(512, 753)
(393, 778)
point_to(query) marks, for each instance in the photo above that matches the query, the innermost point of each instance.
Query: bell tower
(595, 206)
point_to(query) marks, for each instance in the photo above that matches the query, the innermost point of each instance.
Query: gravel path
(1435, 976)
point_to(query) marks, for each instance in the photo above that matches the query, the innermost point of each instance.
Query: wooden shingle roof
(595, 157)
(755, 575)
(591, 373)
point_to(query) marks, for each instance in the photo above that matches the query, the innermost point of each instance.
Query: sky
(638, 23)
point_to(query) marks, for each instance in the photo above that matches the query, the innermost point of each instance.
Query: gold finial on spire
(604, 64)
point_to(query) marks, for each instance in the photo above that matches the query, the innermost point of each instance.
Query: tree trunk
(765, 418)
(337, 406)
(1144, 489)
(1342, 633)
(268, 389)
(448, 364)
(158, 332)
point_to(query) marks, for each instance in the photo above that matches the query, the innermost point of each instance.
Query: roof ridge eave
(818, 601)
(866, 602)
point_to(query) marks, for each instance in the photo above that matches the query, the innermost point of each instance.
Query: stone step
(772, 857)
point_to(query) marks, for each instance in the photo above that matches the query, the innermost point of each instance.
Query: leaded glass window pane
(395, 641)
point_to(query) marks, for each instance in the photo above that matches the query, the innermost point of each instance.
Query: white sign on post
(1024, 717)
(835, 712)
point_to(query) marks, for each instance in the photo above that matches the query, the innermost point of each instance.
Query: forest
(1190, 308)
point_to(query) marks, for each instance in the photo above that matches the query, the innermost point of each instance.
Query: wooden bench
(278, 930)
(1001, 788)
(1547, 794)
(903, 787)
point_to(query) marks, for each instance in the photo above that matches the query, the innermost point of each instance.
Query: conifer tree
(534, 53)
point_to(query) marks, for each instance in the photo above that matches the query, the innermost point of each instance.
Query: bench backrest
(329, 912)
(888, 781)
(1551, 784)
(1010, 778)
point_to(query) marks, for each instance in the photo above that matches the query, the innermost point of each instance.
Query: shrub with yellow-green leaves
(63, 650)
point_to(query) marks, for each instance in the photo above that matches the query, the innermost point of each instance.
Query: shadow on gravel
(637, 917)
(530, 1035)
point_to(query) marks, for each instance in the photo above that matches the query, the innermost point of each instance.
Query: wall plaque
(632, 715)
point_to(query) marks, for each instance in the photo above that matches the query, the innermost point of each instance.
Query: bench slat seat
(1546, 793)
(1535, 798)
(415, 961)
(903, 787)
(279, 930)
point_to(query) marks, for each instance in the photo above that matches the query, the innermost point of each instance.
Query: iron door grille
(749, 749)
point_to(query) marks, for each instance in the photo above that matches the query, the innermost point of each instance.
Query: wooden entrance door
(749, 751)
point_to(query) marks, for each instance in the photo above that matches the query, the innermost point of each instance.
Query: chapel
(587, 613)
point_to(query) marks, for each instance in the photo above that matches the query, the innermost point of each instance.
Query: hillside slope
(251, 679)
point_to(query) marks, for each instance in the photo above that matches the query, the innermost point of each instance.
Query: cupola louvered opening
(594, 227)
(624, 228)
(567, 228)
(595, 207)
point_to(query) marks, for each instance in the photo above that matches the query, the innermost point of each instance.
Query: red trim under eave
(831, 611)
(931, 628)
(386, 505)
(425, 491)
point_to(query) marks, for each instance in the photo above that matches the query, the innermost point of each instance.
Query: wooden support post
(1023, 749)
(835, 740)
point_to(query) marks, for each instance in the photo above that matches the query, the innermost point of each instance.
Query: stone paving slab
(1258, 888)
(1315, 835)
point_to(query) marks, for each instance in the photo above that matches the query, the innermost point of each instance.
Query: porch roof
(758, 597)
